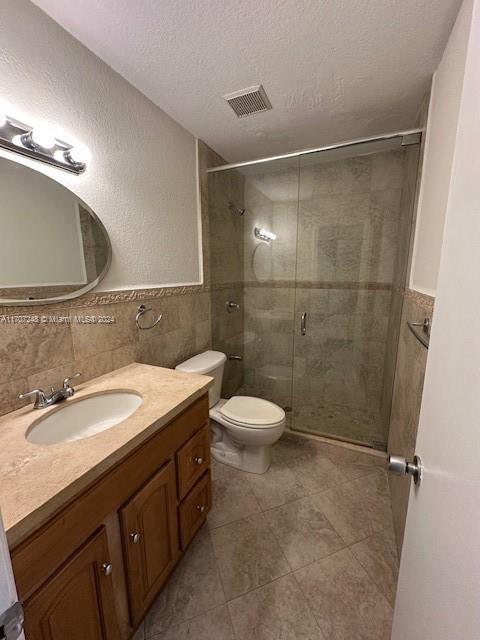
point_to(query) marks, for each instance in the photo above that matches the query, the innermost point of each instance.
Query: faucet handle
(38, 394)
(66, 384)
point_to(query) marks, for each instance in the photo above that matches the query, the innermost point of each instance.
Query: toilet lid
(253, 412)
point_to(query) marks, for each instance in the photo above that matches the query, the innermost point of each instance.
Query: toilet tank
(209, 363)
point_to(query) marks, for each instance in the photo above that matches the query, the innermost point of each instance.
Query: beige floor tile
(354, 464)
(303, 532)
(316, 473)
(275, 487)
(212, 625)
(233, 499)
(345, 601)
(248, 555)
(194, 588)
(378, 556)
(359, 508)
(291, 446)
(276, 611)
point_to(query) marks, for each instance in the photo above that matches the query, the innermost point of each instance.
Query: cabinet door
(77, 602)
(150, 538)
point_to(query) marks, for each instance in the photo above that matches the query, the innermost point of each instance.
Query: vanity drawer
(194, 509)
(192, 460)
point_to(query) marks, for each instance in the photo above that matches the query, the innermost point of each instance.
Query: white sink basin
(78, 419)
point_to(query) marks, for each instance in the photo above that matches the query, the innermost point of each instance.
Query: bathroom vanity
(97, 525)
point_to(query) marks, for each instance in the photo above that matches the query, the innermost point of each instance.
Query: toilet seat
(254, 413)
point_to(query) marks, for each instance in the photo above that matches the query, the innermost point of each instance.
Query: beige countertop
(36, 481)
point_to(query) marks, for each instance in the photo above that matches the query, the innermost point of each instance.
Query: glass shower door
(349, 226)
(252, 237)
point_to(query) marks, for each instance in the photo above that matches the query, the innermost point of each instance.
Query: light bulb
(264, 234)
(78, 154)
(43, 138)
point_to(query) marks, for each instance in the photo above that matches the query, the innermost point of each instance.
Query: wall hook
(142, 309)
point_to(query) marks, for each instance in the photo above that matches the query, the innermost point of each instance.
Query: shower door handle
(303, 323)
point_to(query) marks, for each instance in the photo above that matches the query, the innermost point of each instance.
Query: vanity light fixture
(40, 144)
(38, 139)
(264, 234)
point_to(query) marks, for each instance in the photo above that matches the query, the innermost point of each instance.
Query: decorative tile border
(420, 299)
(102, 298)
(305, 284)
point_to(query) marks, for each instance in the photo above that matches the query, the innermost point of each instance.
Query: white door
(439, 584)
(8, 591)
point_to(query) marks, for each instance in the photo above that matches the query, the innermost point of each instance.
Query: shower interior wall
(343, 228)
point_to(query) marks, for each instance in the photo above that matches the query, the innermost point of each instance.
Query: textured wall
(439, 149)
(141, 179)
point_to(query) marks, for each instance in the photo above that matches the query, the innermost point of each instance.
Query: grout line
(373, 581)
(260, 586)
(230, 617)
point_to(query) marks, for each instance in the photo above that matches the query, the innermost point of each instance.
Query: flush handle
(303, 324)
(399, 466)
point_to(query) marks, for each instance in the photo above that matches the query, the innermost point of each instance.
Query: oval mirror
(52, 245)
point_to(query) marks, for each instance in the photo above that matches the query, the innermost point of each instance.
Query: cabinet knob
(201, 508)
(198, 460)
(135, 537)
(107, 568)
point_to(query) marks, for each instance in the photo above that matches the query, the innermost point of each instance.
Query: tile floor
(304, 552)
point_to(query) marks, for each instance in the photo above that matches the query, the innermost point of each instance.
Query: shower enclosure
(308, 259)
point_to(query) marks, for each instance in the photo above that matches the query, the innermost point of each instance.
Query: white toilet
(243, 428)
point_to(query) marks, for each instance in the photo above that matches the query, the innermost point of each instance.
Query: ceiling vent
(248, 101)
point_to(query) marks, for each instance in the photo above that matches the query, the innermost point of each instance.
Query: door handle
(303, 324)
(400, 467)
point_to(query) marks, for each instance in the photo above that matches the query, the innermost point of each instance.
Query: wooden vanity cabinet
(150, 539)
(78, 601)
(94, 569)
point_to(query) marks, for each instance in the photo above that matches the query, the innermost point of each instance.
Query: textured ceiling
(333, 69)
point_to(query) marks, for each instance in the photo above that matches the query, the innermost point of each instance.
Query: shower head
(235, 209)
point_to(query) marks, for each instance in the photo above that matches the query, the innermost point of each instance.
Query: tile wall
(271, 201)
(407, 397)
(226, 265)
(352, 217)
(42, 355)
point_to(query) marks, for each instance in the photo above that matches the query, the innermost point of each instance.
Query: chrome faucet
(43, 400)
